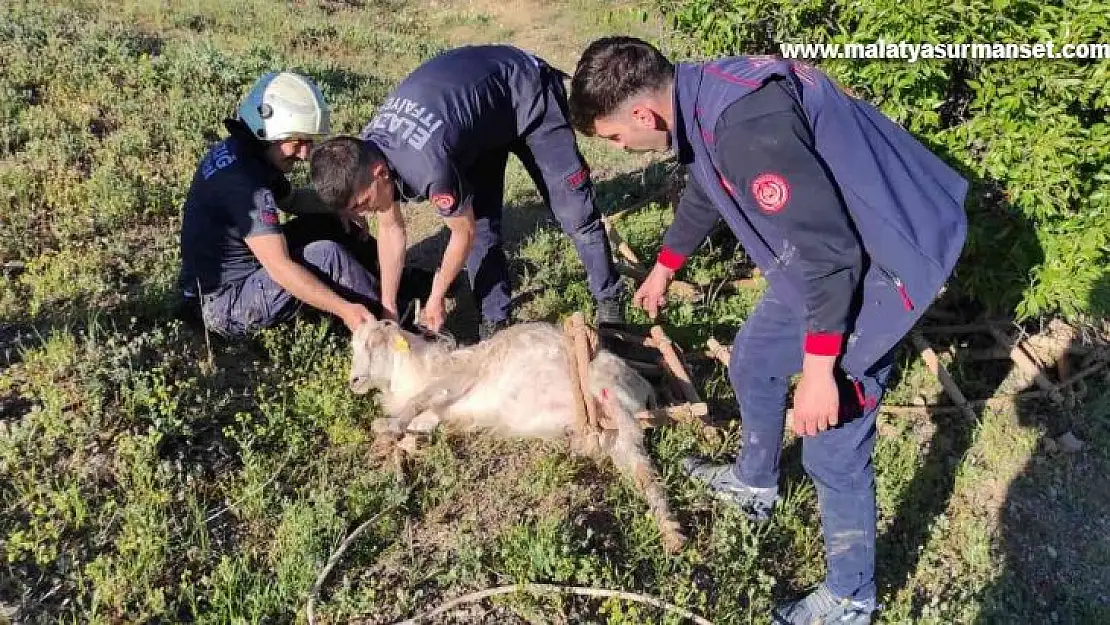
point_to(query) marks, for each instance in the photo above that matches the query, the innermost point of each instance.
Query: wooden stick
(678, 288)
(571, 590)
(1026, 363)
(583, 357)
(1054, 345)
(718, 351)
(310, 608)
(746, 283)
(620, 245)
(674, 364)
(942, 374)
(681, 413)
(1085, 373)
(581, 416)
(998, 401)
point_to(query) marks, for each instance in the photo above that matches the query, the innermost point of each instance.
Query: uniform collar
(255, 149)
(681, 101)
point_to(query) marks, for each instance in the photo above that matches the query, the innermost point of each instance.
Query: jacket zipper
(907, 303)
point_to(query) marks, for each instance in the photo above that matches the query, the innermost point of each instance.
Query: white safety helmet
(285, 105)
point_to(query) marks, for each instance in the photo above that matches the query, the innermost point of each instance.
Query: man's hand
(354, 315)
(816, 400)
(462, 227)
(653, 292)
(434, 313)
(272, 252)
(390, 314)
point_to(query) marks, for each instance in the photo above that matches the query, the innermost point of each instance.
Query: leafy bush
(1030, 134)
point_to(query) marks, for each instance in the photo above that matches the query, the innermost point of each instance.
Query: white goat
(516, 383)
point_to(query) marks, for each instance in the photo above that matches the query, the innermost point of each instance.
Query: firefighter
(445, 135)
(241, 266)
(856, 227)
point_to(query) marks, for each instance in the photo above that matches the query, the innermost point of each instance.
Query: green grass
(148, 476)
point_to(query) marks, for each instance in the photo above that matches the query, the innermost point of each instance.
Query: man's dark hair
(611, 70)
(340, 167)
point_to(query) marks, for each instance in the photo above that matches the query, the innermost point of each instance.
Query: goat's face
(373, 347)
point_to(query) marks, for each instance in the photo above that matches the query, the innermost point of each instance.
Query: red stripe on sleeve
(823, 343)
(670, 259)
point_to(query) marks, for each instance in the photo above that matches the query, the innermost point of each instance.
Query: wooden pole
(682, 413)
(583, 357)
(620, 245)
(678, 288)
(674, 365)
(581, 416)
(718, 351)
(1026, 363)
(942, 374)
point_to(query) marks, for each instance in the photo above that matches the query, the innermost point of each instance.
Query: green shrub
(1030, 134)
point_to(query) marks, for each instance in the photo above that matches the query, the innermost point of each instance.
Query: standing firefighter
(856, 227)
(242, 266)
(445, 135)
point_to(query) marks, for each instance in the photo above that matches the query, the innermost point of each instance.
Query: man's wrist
(817, 364)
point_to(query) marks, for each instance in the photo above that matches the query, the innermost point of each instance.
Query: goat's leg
(435, 399)
(424, 422)
(630, 457)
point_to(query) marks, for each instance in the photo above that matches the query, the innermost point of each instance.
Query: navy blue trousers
(548, 150)
(766, 353)
(317, 242)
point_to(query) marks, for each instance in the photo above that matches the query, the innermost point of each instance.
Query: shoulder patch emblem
(267, 207)
(771, 192)
(579, 178)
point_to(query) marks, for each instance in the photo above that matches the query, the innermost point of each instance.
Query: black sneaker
(610, 313)
(488, 328)
(755, 503)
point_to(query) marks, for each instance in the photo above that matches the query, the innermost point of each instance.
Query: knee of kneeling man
(323, 250)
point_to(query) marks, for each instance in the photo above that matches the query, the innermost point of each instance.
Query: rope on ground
(568, 590)
(310, 607)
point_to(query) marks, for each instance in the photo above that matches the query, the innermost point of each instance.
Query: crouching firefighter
(445, 135)
(241, 266)
(856, 227)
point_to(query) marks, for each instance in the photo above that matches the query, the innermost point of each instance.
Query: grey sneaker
(755, 503)
(821, 607)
